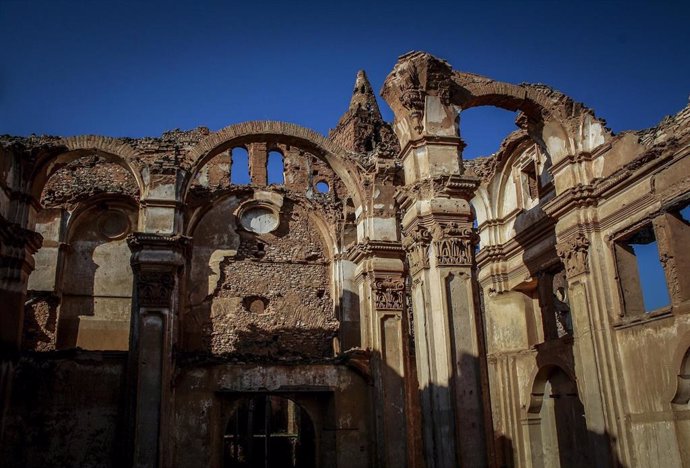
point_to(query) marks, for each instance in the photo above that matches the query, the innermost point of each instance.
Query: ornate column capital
(389, 293)
(417, 76)
(416, 243)
(155, 260)
(573, 253)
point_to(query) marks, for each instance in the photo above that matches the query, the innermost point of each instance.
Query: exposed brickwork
(86, 177)
(40, 323)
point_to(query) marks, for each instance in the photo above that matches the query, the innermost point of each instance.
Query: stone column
(450, 359)
(381, 285)
(17, 246)
(437, 222)
(157, 262)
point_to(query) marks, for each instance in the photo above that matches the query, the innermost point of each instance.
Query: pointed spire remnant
(363, 95)
(362, 128)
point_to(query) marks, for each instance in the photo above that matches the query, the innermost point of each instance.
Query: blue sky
(138, 68)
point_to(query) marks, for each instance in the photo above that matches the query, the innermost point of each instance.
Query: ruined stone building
(377, 302)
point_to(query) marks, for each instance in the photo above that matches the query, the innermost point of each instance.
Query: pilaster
(593, 351)
(381, 284)
(157, 262)
(440, 243)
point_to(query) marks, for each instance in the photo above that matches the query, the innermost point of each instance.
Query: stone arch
(73, 148)
(555, 121)
(679, 390)
(303, 137)
(421, 83)
(321, 225)
(556, 423)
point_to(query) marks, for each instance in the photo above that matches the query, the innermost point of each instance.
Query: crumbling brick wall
(86, 177)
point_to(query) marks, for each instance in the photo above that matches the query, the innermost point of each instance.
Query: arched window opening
(275, 168)
(239, 170)
(558, 432)
(268, 431)
(484, 128)
(322, 187)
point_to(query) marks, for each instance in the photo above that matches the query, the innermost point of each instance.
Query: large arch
(73, 148)
(557, 122)
(302, 137)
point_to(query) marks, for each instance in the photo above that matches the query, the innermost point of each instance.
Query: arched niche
(75, 148)
(680, 403)
(95, 278)
(73, 187)
(556, 422)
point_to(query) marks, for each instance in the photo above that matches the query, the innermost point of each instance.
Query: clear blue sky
(138, 68)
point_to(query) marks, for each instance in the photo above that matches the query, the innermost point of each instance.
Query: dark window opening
(275, 168)
(684, 213)
(269, 431)
(530, 181)
(239, 169)
(555, 305)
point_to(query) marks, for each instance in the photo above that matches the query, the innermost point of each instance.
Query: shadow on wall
(555, 432)
(555, 426)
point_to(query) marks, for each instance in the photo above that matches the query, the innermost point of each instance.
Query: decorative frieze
(453, 244)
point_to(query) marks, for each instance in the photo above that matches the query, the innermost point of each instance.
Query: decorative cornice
(374, 248)
(13, 235)
(146, 239)
(445, 186)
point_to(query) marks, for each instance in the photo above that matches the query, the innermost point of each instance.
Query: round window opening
(259, 220)
(322, 187)
(114, 224)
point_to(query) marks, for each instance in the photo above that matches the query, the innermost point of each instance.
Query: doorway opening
(269, 431)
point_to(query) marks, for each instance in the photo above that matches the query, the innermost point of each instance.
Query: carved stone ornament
(454, 244)
(416, 244)
(389, 293)
(155, 288)
(573, 254)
